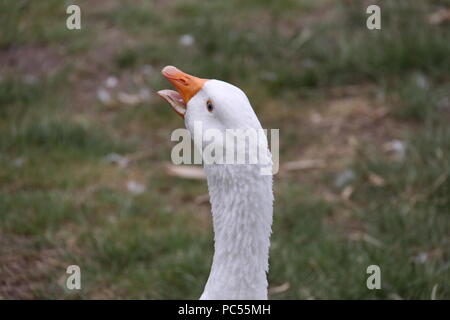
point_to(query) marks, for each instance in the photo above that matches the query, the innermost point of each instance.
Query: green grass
(58, 192)
(405, 218)
(36, 22)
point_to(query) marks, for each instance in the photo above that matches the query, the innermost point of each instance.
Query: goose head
(212, 103)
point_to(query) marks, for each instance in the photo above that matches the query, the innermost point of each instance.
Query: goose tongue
(186, 85)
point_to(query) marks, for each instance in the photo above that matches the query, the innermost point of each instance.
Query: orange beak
(186, 85)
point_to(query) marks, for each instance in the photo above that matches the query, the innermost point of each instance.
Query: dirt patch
(92, 69)
(341, 127)
(31, 61)
(24, 268)
(342, 124)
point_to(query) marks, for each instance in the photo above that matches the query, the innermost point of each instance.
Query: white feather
(241, 200)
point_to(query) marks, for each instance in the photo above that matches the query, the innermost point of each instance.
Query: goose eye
(209, 106)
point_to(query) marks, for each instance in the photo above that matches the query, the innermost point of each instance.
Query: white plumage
(241, 197)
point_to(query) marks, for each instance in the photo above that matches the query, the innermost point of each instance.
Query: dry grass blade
(280, 289)
(347, 192)
(305, 164)
(186, 172)
(440, 16)
(376, 180)
(433, 292)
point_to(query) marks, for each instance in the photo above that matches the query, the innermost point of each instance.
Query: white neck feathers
(242, 208)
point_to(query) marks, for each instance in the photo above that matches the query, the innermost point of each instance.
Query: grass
(337, 91)
(389, 226)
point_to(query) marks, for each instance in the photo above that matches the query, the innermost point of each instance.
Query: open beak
(187, 86)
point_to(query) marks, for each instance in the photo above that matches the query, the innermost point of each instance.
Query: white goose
(241, 198)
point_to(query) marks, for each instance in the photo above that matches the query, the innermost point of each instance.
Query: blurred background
(85, 145)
